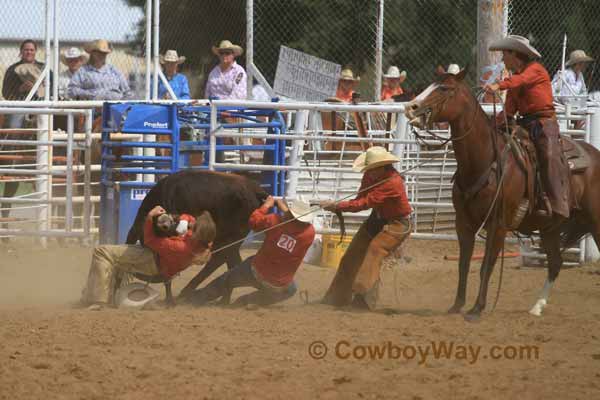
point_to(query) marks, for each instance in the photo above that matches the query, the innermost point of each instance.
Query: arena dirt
(53, 350)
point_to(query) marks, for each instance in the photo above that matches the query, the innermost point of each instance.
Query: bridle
(430, 112)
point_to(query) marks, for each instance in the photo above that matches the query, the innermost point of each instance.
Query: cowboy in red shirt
(382, 189)
(161, 257)
(346, 85)
(391, 83)
(272, 269)
(530, 96)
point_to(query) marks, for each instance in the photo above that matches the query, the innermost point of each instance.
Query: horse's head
(442, 101)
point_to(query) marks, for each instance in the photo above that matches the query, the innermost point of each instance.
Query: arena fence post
(591, 250)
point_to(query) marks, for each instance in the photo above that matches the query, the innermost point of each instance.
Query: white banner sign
(301, 76)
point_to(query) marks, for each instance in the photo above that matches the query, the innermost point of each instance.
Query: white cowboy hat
(453, 69)
(578, 56)
(100, 45)
(72, 53)
(348, 75)
(135, 295)
(227, 45)
(515, 43)
(393, 72)
(374, 157)
(301, 211)
(171, 56)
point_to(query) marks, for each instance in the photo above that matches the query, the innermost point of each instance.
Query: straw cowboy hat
(453, 69)
(578, 56)
(30, 72)
(348, 75)
(100, 45)
(302, 211)
(515, 43)
(171, 56)
(394, 73)
(71, 54)
(227, 45)
(135, 295)
(374, 157)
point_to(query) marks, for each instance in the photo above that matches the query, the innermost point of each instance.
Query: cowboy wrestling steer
(229, 198)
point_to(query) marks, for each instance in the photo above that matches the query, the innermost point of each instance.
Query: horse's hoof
(455, 309)
(472, 317)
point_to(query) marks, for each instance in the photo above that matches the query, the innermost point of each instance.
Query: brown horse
(479, 152)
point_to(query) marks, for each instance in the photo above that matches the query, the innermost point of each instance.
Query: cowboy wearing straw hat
(530, 95)
(178, 82)
(160, 259)
(391, 83)
(227, 81)
(573, 83)
(98, 80)
(346, 85)
(382, 189)
(272, 269)
(73, 58)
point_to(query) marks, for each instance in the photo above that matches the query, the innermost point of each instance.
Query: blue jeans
(241, 276)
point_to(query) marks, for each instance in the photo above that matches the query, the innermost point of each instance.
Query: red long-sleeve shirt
(529, 91)
(389, 199)
(175, 253)
(283, 249)
(387, 93)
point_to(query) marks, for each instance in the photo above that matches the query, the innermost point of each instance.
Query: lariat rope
(319, 208)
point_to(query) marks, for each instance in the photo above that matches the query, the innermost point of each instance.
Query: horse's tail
(572, 230)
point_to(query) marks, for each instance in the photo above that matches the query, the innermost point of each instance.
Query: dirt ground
(49, 349)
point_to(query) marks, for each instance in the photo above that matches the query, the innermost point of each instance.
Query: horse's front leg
(493, 245)
(466, 241)
(551, 245)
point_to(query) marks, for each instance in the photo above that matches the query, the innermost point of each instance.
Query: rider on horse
(530, 95)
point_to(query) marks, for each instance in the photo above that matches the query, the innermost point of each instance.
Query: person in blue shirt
(179, 83)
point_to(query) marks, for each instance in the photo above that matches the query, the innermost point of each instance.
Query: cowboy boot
(544, 208)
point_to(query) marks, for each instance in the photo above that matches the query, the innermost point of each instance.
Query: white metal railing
(42, 171)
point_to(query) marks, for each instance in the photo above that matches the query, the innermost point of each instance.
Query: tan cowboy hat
(515, 43)
(135, 295)
(100, 45)
(374, 157)
(578, 56)
(393, 72)
(302, 211)
(72, 53)
(348, 75)
(171, 56)
(227, 45)
(453, 69)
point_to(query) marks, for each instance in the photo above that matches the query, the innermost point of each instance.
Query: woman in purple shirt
(227, 81)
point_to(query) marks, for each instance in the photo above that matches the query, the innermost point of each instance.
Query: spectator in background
(573, 83)
(73, 58)
(98, 80)
(227, 81)
(14, 87)
(178, 82)
(391, 83)
(346, 85)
